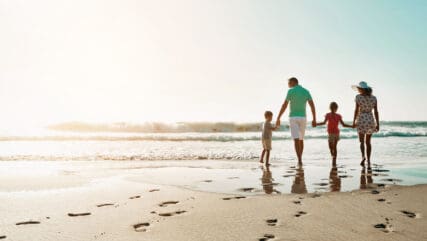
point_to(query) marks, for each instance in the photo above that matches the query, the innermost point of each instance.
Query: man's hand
(278, 123)
(377, 128)
(313, 123)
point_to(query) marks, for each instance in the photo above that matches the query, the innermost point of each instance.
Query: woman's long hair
(367, 91)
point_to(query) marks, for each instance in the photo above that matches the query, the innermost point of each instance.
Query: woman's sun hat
(361, 85)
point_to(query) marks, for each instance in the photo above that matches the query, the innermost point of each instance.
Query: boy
(333, 119)
(267, 129)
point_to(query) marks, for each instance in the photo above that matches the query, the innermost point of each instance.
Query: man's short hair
(268, 113)
(293, 79)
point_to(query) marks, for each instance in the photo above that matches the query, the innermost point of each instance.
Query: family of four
(366, 119)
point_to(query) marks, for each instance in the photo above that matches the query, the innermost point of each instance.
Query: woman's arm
(356, 113)
(377, 118)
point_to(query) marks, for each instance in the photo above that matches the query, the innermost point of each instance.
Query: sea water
(223, 157)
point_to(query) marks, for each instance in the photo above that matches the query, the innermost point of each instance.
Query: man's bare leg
(299, 146)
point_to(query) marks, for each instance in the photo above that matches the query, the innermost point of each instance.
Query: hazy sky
(133, 60)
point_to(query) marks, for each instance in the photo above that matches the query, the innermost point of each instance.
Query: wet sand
(83, 201)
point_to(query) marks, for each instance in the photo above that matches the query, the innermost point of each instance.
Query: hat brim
(356, 87)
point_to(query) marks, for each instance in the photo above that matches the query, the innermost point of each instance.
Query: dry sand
(117, 208)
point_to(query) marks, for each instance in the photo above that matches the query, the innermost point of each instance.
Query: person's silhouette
(299, 182)
(334, 179)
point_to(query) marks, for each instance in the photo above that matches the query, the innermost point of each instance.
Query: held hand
(313, 123)
(277, 123)
(377, 128)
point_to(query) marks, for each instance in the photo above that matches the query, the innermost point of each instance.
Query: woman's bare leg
(368, 148)
(362, 148)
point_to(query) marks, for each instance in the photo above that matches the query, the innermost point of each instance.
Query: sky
(218, 60)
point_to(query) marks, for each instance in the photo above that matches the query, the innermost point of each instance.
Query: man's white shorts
(297, 126)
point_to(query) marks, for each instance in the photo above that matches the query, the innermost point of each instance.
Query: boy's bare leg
(267, 157)
(262, 156)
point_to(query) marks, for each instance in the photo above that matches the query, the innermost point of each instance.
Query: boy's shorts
(266, 144)
(333, 137)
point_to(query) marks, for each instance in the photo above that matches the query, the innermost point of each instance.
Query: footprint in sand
(135, 197)
(28, 222)
(247, 189)
(78, 214)
(154, 190)
(140, 227)
(207, 181)
(296, 202)
(381, 200)
(285, 176)
(233, 177)
(375, 192)
(230, 198)
(3, 236)
(165, 204)
(266, 237)
(271, 222)
(385, 227)
(409, 214)
(172, 213)
(300, 213)
(315, 195)
(105, 204)
(322, 184)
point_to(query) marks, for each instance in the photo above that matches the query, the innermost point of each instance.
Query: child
(333, 119)
(267, 135)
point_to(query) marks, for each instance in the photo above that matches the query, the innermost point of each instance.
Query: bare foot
(362, 163)
(261, 161)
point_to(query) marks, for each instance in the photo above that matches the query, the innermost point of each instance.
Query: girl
(333, 119)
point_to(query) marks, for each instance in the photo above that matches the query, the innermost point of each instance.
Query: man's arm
(313, 112)
(282, 110)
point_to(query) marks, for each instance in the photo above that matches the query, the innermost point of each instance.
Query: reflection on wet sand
(334, 179)
(366, 178)
(267, 181)
(299, 186)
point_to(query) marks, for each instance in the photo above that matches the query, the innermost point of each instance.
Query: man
(297, 97)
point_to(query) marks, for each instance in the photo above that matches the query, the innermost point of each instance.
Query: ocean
(213, 149)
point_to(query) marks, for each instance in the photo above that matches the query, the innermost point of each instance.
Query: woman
(364, 119)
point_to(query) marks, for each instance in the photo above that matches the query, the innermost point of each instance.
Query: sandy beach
(88, 201)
